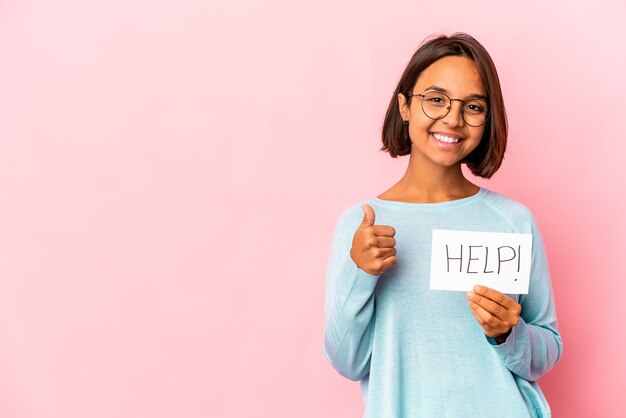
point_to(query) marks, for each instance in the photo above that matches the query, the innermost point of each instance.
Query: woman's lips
(441, 141)
(447, 138)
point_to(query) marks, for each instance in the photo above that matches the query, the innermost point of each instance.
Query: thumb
(368, 216)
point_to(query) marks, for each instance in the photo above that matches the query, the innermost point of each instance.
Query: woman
(430, 353)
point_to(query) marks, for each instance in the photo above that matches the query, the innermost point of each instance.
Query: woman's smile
(448, 138)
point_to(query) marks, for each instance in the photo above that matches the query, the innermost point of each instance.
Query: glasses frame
(450, 107)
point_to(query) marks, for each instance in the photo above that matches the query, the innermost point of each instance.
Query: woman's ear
(404, 108)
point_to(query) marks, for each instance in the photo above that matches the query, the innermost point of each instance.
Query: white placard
(462, 259)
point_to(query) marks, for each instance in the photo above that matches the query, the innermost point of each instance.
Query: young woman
(429, 353)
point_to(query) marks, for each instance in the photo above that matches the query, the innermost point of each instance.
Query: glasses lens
(475, 112)
(435, 105)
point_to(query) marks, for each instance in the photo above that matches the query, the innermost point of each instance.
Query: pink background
(171, 173)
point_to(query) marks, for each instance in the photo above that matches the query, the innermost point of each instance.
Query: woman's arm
(534, 345)
(349, 305)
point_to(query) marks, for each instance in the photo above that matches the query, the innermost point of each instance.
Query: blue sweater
(419, 352)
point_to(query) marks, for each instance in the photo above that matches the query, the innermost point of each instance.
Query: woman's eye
(436, 100)
(475, 108)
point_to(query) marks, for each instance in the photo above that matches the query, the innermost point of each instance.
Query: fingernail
(477, 288)
(470, 295)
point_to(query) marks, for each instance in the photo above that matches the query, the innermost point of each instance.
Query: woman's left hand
(496, 312)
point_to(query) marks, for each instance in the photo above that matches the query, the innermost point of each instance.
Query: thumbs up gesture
(373, 245)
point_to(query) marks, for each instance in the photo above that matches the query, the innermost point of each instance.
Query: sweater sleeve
(534, 345)
(349, 304)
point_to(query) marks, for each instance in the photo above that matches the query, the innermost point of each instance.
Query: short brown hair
(485, 160)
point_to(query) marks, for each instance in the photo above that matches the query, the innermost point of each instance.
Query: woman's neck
(434, 184)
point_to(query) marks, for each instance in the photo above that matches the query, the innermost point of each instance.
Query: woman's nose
(455, 114)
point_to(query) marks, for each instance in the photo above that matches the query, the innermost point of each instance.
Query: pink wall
(171, 173)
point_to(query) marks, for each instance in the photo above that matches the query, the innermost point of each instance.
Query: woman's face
(444, 142)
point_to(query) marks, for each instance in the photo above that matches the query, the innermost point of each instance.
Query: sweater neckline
(447, 204)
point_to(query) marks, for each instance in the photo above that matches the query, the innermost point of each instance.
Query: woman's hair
(485, 160)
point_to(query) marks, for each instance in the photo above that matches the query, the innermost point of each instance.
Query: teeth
(447, 139)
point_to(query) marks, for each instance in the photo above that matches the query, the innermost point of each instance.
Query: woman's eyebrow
(442, 90)
(437, 88)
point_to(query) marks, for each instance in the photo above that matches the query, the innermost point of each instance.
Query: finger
(389, 262)
(384, 230)
(496, 296)
(369, 217)
(491, 324)
(507, 318)
(371, 242)
(486, 328)
(490, 306)
(384, 241)
(386, 252)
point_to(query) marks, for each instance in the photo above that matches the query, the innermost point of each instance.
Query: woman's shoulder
(515, 211)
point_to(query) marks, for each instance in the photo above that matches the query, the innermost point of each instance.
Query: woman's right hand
(373, 246)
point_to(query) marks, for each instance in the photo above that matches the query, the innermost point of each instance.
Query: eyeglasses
(437, 105)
